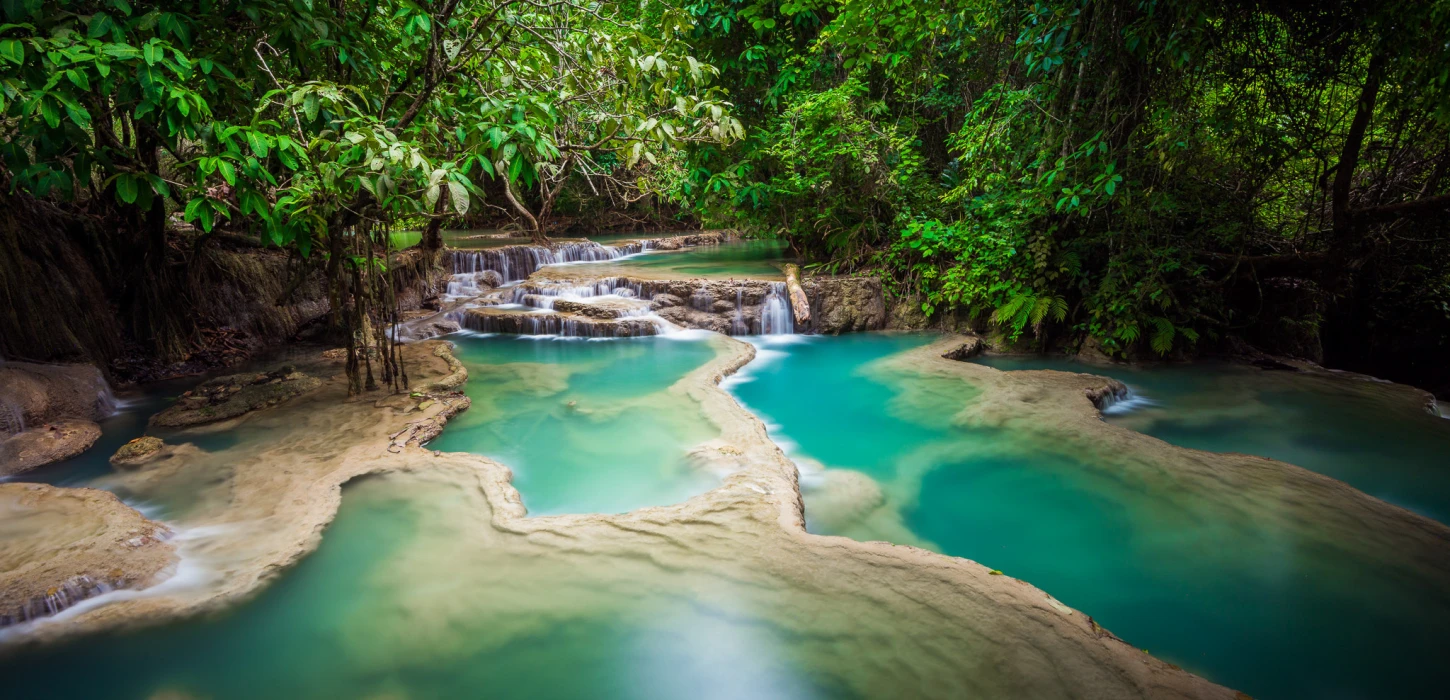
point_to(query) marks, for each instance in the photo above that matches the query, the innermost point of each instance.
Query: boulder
(235, 395)
(51, 442)
(972, 346)
(846, 304)
(32, 394)
(665, 301)
(137, 452)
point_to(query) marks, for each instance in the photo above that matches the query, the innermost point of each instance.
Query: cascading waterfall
(617, 286)
(1124, 402)
(517, 262)
(107, 404)
(56, 600)
(738, 326)
(556, 324)
(775, 313)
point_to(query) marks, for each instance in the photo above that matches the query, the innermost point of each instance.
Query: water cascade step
(516, 262)
(496, 320)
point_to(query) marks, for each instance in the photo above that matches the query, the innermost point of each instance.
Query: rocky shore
(48, 413)
(750, 528)
(62, 546)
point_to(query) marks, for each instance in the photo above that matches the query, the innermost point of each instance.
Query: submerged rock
(233, 396)
(48, 443)
(61, 546)
(138, 452)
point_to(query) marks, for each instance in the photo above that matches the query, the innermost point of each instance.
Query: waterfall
(775, 313)
(602, 287)
(517, 262)
(701, 300)
(738, 326)
(56, 600)
(560, 325)
(12, 419)
(107, 404)
(1128, 401)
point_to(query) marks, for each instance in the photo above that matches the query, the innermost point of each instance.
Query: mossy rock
(137, 452)
(235, 395)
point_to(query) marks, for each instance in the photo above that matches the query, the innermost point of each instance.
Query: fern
(1023, 310)
(1163, 334)
(1008, 311)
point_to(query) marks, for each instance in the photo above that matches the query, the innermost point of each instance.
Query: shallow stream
(1197, 584)
(414, 594)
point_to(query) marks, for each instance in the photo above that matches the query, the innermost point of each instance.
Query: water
(750, 259)
(587, 427)
(412, 594)
(1269, 611)
(1375, 437)
(775, 315)
(518, 262)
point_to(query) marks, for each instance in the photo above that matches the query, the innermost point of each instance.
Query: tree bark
(535, 231)
(1344, 228)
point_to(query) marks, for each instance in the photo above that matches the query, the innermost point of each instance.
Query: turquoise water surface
(586, 426)
(1257, 610)
(400, 601)
(1391, 449)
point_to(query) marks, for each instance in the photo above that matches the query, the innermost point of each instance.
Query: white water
(514, 263)
(1125, 404)
(738, 325)
(775, 315)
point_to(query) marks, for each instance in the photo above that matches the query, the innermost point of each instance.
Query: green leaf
(159, 185)
(126, 188)
(458, 195)
(258, 143)
(229, 172)
(12, 50)
(50, 112)
(79, 79)
(78, 115)
(250, 202)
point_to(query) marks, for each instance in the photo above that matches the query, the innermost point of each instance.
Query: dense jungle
(724, 348)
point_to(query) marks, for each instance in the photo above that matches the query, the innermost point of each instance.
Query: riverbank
(754, 522)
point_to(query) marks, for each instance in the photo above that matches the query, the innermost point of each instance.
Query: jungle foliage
(1138, 174)
(1143, 173)
(318, 125)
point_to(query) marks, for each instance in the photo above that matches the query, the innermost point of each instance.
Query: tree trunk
(536, 230)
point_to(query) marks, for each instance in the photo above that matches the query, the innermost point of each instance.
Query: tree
(320, 126)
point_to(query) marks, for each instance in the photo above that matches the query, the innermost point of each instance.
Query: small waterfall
(12, 419)
(107, 404)
(1118, 404)
(516, 262)
(72, 591)
(618, 286)
(702, 300)
(738, 326)
(560, 325)
(775, 313)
